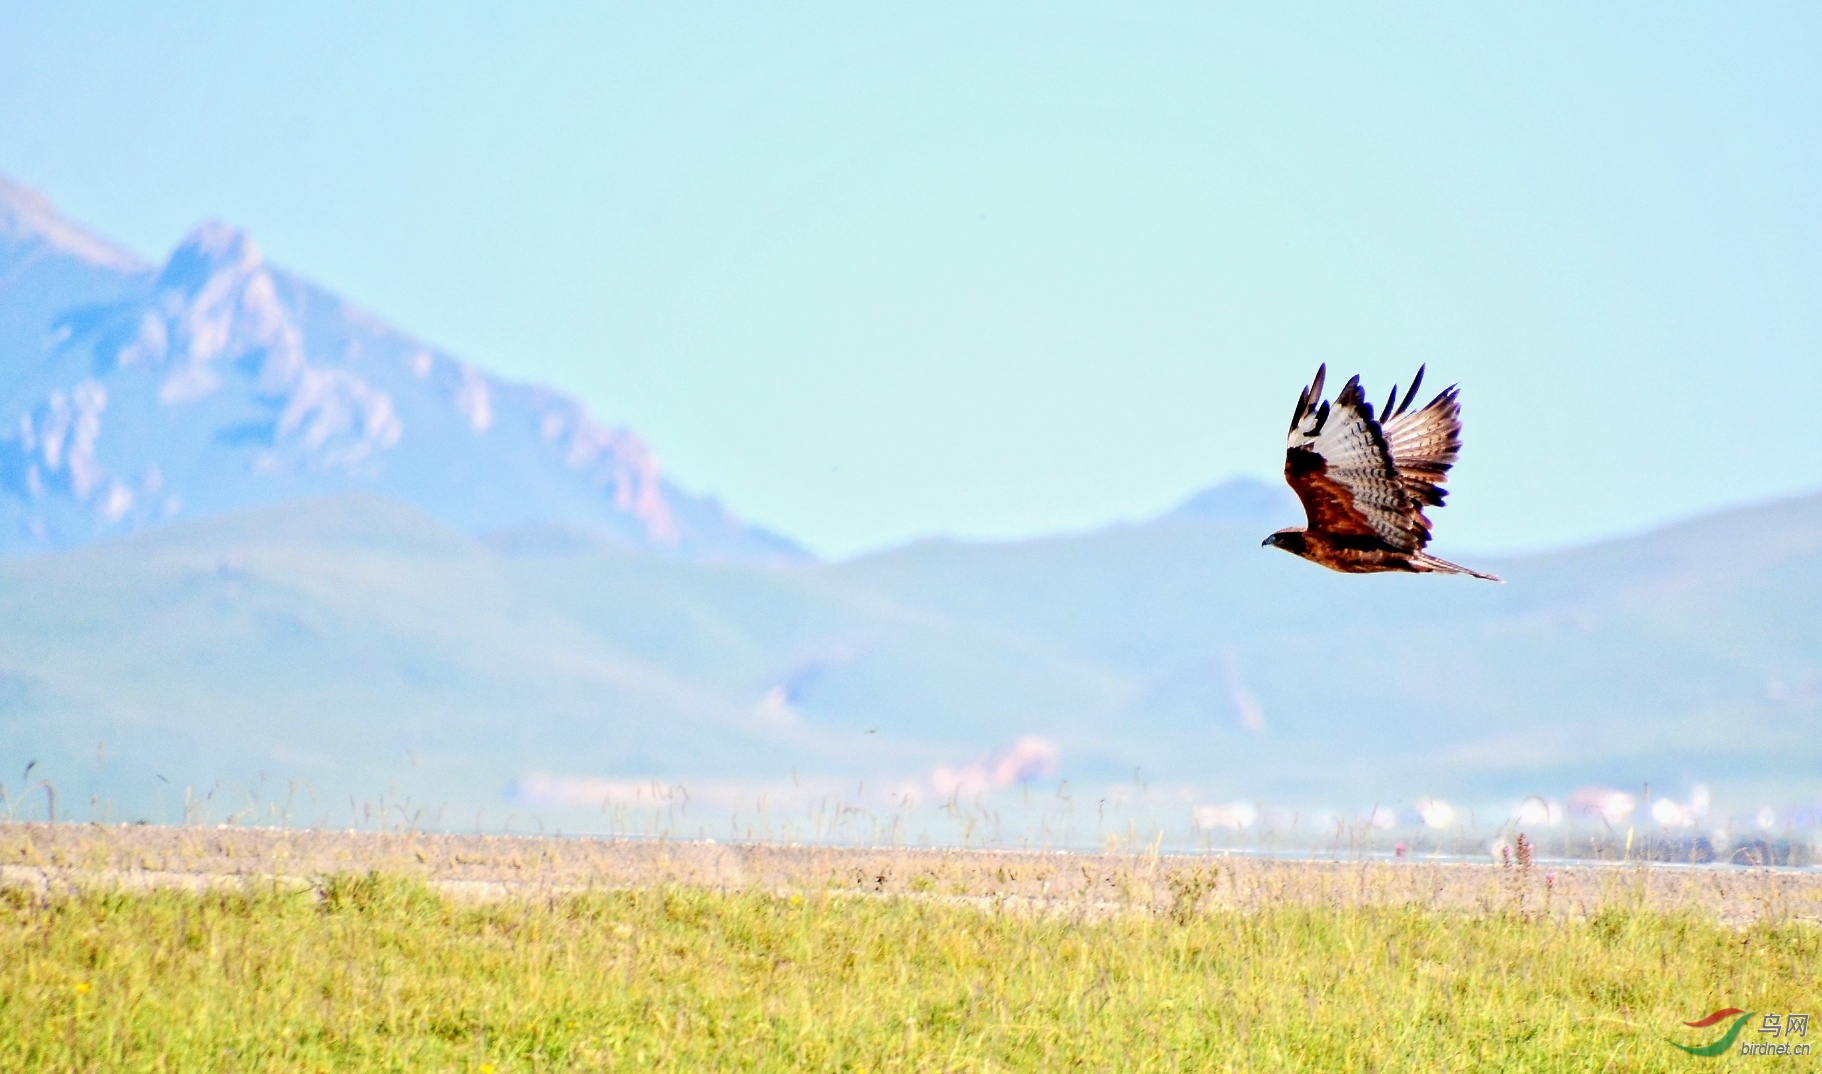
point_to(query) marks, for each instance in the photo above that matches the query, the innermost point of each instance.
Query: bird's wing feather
(1338, 462)
(1423, 445)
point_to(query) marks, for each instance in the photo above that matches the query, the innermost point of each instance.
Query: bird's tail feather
(1443, 566)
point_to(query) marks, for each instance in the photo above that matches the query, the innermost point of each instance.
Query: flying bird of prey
(1365, 482)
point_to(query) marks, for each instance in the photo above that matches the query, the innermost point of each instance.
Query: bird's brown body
(1364, 485)
(1356, 556)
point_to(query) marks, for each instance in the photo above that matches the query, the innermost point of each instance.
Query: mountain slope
(358, 648)
(131, 395)
(1688, 654)
(352, 645)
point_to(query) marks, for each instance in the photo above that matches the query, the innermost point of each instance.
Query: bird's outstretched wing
(1423, 443)
(1339, 463)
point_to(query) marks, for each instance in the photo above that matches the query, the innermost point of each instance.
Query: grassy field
(187, 950)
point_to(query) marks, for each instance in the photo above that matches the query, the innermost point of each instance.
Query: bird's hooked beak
(1285, 539)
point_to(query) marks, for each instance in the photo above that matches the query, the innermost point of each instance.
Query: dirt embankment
(56, 857)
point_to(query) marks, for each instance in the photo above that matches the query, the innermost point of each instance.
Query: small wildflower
(83, 988)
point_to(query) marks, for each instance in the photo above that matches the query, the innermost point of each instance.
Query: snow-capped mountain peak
(129, 396)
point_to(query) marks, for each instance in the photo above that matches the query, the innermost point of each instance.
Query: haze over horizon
(869, 276)
(363, 562)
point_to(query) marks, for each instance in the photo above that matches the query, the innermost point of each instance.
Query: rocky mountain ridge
(130, 395)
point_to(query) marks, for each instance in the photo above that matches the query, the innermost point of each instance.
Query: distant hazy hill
(131, 394)
(353, 647)
(1686, 656)
(380, 575)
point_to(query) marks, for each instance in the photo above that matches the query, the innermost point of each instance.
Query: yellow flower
(82, 988)
(486, 1068)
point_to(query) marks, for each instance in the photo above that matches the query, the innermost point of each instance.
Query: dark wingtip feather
(1412, 392)
(1303, 407)
(1447, 395)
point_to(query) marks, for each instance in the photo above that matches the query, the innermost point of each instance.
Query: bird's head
(1289, 539)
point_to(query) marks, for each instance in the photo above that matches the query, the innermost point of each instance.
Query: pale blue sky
(993, 270)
